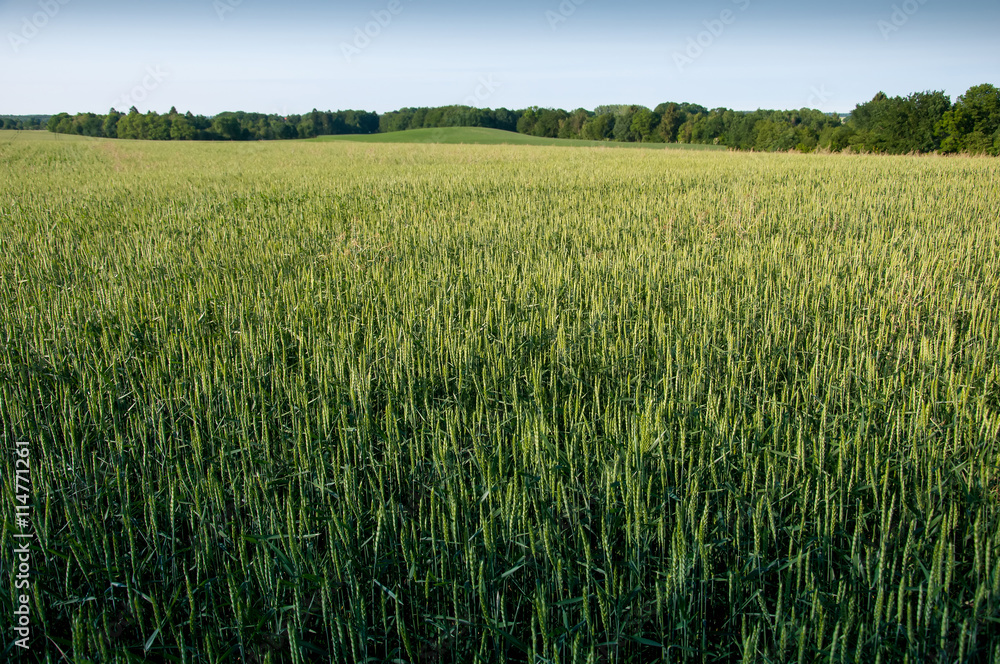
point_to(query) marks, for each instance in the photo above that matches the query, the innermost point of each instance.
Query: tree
(417, 121)
(88, 124)
(505, 119)
(110, 127)
(899, 125)
(574, 124)
(840, 138)
(526, 123)
(286, 130)
(623, 124)
(599, 128)
(181, 129)
(686, 132)
(547, 122)
(228, 127)
(644, 122)
(925, 110)
(157, 126)
(671, 118)
(66, 125)
(973, 124)
(55, 122)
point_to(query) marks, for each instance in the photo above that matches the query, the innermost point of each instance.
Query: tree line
(24, 122)
(921, 122)
(238, 126)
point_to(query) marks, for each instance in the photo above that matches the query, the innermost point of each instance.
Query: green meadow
(484, 136)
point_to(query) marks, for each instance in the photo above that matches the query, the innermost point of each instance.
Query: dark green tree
(599, 128)
(227, 126)
(644, 124)
(973, 124)
(110, 125)
(623, 124)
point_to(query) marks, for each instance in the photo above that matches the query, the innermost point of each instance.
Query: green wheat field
(334, 401)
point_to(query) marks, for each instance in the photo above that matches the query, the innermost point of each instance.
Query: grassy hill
(453, 136)
(484, 136)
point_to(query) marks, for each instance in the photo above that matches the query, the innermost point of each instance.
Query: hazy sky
(209, 56)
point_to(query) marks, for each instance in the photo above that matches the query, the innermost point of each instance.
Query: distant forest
(922, 122)
(27, 122)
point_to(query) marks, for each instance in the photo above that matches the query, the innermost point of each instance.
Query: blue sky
(209, 56)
